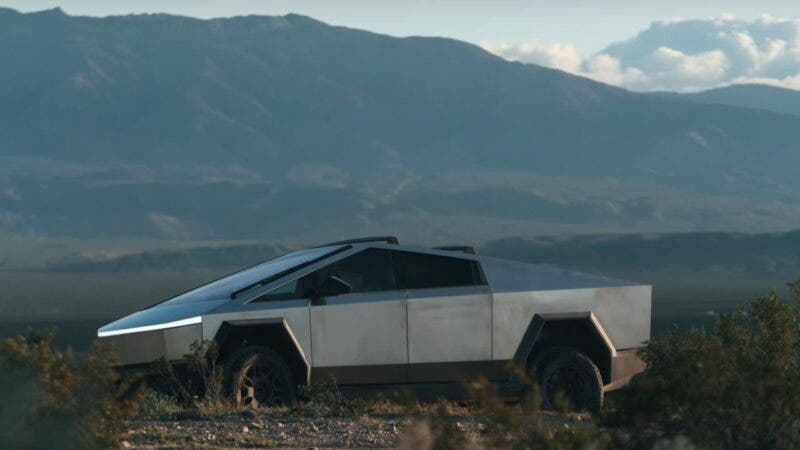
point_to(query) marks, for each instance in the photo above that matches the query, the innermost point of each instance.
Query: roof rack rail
(457, 248)
(387, 239)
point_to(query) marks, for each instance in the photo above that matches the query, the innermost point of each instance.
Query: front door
(360, 337)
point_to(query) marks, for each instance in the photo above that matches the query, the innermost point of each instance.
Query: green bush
(736, 386)
(55, 398)
(158, 405)
(325, 399)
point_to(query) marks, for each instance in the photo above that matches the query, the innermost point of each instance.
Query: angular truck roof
(506, 275)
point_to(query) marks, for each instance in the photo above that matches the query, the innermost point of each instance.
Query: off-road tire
(258, 376)
(572, 373)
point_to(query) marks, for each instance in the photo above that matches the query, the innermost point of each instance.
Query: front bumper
(171, 344)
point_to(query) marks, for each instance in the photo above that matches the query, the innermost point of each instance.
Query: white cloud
(668, 68)
(558, 55)
(608, 69)
(682, 55)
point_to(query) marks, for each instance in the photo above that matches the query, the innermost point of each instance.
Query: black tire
(258, 376)
(569, 372)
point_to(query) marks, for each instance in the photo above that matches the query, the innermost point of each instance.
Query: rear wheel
(258, 376)
(571, 375)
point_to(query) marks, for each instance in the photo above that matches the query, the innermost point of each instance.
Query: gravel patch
(272, 430)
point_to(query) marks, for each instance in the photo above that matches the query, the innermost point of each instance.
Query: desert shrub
(447, 430)
(203, 361)
(433, 426)
(51, 396)
(520, 425)
(325, 399)
(735, 386)
(201, 391)
(159, 405)
(526, 426)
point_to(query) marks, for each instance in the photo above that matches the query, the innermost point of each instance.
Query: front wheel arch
(257, 375)
(272, 333)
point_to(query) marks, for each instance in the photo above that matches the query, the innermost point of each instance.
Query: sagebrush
(734, 386)
(52, 396)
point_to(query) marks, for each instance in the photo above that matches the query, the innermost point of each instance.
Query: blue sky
(588, 25)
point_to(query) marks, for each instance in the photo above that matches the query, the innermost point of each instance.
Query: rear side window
(419, 271)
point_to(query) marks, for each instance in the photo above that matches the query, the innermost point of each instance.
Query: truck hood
(160, 317)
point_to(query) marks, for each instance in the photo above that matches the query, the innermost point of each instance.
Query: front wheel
(258, 376)
(573, 376)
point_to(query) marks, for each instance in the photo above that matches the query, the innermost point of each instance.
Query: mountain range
(289, 128)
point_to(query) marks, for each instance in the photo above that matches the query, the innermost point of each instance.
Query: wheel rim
(261, 385)
(572, 383)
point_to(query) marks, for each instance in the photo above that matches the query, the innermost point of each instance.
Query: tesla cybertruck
(372, 313)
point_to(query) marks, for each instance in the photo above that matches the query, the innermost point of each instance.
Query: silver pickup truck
(371, 312)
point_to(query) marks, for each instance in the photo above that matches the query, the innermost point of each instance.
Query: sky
(731, 40)
(589, 24)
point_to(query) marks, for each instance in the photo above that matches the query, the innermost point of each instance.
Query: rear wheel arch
(274, 334)
(549, 336)
(574, 375)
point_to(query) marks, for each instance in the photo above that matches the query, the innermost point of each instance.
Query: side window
(289, 291)
(419, 270)
(370, 270)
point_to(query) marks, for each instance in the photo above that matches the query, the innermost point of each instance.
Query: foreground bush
(520, 425)
(736, 386)
(325, 399)
(200, 393)
(54, 399)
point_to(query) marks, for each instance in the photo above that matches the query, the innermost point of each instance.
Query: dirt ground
(269, 430)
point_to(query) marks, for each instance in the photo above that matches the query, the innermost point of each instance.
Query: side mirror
(333, 286)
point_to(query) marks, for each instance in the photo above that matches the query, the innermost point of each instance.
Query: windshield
(224, 287)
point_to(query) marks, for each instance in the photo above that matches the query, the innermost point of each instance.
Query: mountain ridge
(757, 96)
(184, 127)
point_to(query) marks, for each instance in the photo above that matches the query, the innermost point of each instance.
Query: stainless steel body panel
(622, 312)
(360, 329)
(145, 347)
(450, 324)
(294, 312)
(621, 308)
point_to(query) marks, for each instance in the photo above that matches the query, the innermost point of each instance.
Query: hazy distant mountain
(702, 254)
(157, 125)
(202, 257)
(758, 96)
(693, 275)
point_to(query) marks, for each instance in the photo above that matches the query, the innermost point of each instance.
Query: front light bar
(158, 326)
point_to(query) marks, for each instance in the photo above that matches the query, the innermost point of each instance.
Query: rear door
(360, 337)
(449, 317)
